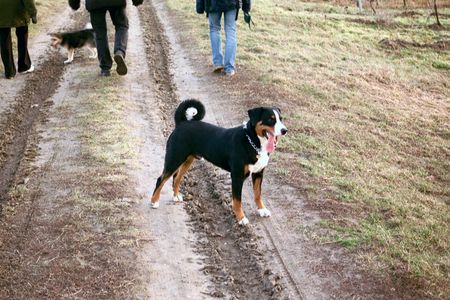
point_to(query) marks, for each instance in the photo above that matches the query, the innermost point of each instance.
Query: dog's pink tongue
(271, 144)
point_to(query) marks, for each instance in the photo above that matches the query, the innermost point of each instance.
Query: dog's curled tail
(188, 110)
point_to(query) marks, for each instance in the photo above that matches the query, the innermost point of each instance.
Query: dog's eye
(271, 122)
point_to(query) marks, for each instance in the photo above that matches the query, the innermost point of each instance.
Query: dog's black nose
(283, 131)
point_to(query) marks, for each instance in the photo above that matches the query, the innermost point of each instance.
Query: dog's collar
(258, 150)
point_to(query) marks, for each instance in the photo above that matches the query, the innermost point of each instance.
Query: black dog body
(75, 40)
(239, 150)
(206, 140)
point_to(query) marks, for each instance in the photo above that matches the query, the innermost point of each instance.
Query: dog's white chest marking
(261, 163)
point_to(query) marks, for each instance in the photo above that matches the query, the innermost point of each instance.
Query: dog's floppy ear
(255, 115)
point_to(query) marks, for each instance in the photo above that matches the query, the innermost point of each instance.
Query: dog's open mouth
(272, 141)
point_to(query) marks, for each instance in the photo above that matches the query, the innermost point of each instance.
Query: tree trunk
(404, 3)
(436, 13)
(371, 6)
(359, 3)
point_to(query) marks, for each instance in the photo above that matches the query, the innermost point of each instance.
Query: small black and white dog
(243, 151)
(75, 40)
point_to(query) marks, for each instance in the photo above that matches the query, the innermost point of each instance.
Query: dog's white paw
(264, 212)
(154, 205)
(67, 61)
(178, 197)
(244, 221)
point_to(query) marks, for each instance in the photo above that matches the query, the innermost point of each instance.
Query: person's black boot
(121, 65)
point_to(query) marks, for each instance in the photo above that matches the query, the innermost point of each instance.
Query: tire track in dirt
(30, 104)
(29, 108)
(168, 262)
(235, 261)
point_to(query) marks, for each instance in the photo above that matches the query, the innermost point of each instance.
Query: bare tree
(371, 5)
(436, 13)
(359, 3)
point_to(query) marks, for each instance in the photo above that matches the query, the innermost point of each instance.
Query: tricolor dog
(243, 151)
(75, 40)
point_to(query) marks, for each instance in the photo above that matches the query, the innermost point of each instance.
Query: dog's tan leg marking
(157, 193)
(181, 172)
(239, 212)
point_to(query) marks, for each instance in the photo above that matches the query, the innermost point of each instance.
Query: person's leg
(24, 61)
(230, 43)
(98, 22)
(7, 53)
(120, 21)
(216, 39)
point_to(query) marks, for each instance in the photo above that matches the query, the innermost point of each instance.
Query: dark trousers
(120, 21)
(24, 61)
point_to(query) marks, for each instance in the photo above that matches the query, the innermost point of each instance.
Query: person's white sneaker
(230, 74)
(31, 69)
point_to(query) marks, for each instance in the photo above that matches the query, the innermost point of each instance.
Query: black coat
(222, 5)
(96, 4)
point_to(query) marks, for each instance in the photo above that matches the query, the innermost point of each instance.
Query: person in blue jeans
(214, 10)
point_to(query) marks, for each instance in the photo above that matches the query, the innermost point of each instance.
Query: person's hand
(137, 2)
(34, 19)
(248, 19)
(200, 7)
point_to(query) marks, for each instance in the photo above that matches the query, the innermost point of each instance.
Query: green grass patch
(106, 134)
(443, 65)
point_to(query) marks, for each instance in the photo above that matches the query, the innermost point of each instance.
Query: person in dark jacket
(97, 10)
(15, 13)
(214, 10)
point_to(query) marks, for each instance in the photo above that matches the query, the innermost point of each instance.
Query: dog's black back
(78, 39)
(206, 140)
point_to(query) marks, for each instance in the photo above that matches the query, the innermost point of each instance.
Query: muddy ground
(75, 183)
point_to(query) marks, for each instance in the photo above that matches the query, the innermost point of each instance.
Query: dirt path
(78, 170)
(170, 259)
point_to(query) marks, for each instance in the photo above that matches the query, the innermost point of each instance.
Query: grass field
(370, 126)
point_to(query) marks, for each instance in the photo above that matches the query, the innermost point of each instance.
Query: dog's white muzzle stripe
(278, 129)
